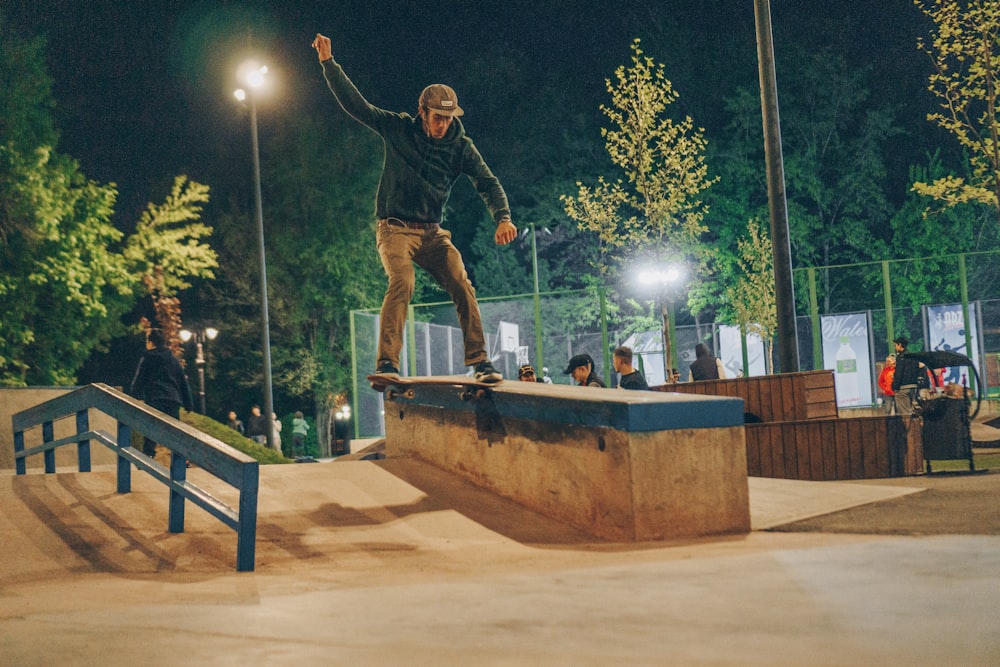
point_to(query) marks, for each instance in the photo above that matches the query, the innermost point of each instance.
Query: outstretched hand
(322, 46)
(506, 232)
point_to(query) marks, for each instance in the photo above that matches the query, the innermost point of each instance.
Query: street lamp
(664, 278)
(343, 418)
(200, 336)
(253, 76)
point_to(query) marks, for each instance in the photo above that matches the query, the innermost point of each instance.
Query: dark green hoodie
(418, 171)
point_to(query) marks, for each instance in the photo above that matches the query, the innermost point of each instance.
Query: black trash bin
(946, 430)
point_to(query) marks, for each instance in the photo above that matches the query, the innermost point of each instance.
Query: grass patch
(264, 455)
(989, 461)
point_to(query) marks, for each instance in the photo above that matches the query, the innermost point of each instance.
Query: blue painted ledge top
(630, 411)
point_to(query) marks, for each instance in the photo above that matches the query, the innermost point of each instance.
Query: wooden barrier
(773, 398)
(835, 449)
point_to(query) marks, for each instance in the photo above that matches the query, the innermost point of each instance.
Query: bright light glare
(211, 333)
(660, 276)
(251, 74)
(186, 335)
(240, 94)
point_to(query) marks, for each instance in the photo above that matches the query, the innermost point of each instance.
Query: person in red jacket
(885, 383)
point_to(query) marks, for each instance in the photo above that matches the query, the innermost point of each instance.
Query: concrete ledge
(629, 466)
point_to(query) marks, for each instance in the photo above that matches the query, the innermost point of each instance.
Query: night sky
(143, 88)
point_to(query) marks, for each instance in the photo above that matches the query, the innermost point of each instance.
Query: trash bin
(946, 432)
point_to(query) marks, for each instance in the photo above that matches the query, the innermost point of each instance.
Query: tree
(965, 52)
(657, 208)
(750, 299)
(655, 215)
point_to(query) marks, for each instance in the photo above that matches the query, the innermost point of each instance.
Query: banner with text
(946, 331)
(847, 351)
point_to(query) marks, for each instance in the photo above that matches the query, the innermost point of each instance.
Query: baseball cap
(527, 369)
(577, 361)
(442, 99)
(902, 340)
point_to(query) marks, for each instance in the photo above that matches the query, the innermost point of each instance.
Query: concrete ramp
(352, 516)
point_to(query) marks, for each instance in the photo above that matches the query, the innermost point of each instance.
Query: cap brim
(451, 113)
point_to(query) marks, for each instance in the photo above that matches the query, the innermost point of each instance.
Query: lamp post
(200, 336)
(342, 418)
(664, 278)
(253, 76)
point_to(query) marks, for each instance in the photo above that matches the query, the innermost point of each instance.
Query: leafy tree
(657, 209)
(63, 287)
(655, 214)
(750, 300)
(965, 53)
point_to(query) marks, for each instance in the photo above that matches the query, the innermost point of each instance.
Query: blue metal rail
(184, 442)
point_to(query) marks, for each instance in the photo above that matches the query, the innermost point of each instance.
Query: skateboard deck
(405, 386)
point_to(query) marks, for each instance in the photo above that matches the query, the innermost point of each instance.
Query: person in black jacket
(160, 382)
(904, 380)
(581, 367)
(705, 366)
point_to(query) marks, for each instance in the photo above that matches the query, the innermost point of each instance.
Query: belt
(396, 222)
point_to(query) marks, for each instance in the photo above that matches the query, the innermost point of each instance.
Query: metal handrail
(184, 442)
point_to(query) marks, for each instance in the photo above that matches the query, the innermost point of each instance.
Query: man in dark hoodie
(424, 157)
(160, 382)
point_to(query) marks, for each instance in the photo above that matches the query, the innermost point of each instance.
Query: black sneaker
(386, 368)
(486, 373)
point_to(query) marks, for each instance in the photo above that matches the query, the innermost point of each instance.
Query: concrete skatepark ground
(393, 562)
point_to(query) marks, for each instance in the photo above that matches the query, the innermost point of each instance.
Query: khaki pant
(432, 250)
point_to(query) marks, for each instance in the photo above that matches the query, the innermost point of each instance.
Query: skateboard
(405, 386)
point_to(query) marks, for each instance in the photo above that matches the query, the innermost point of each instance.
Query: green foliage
(656, 209)
(265, 455)
(168, 237)
(965, 52)
(63, 288)
(750, 299)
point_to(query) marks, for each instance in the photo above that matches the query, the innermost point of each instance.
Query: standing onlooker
(631, 378)
(705, 366)
(256, 426)
(905, 378)
(581, 367)
(885, 383)
(160, 382)
(235, 423)
(277, 432)
(300, 429)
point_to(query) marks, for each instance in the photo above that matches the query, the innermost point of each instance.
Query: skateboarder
(424, 157)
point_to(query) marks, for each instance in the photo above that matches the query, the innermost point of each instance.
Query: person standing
(905, 378)
(581, 367)
(300, 429)
(885, 383)
(256, 426)
(631, 378)
(160, 381)
(423, 158)
(277, 432)
(235, 423)
(705, 366)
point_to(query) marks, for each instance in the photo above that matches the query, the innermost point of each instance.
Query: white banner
(946, 331)
(847, 351)
(731, 352)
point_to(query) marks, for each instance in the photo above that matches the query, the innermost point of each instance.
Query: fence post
(817, 332)
(83, 446)
(246, 531)
(124, 438)
(178, 474)
(887, 292)
(49, 455)
(19, 465)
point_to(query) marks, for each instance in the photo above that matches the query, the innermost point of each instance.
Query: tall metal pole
(784, 292)
(265, 338)
(539, 355)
